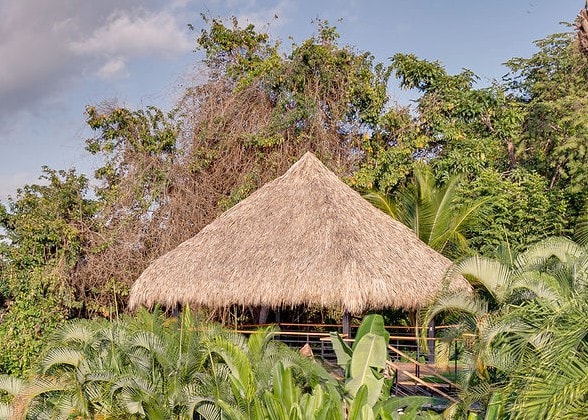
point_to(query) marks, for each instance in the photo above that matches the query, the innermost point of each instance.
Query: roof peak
(308, 158)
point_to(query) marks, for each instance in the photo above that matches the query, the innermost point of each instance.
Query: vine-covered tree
(519, 145)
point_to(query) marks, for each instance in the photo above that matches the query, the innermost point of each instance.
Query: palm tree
(513, 309)
(582, 228)
(69, 381)
(433, 212)
(551, 380)
(550, 270)
(149, 366)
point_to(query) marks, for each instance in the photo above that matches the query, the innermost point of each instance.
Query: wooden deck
(416, 378)
(414, 372)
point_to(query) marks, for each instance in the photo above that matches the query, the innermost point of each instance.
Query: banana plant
(364, 362)
(286, 400)
(365, 377)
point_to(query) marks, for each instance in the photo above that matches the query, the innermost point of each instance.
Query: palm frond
(24, 402)
(57, 357)
(11, 384)
(509, 334)
(453, 222)
(542, 286)
(492, 275)
(236, 360)
(205, 408)
(431, 211)
(554, 391)
(565, 250)
(470, 306)
(153, 348)
(66, 405)
(382, 202)
(6, 412)
(582, 232)
(443, 200)
(76, 332)
(258, 341)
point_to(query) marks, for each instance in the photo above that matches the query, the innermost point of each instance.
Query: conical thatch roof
(304, 238)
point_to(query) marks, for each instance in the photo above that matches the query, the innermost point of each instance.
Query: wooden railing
(407, 358)
(402, 337)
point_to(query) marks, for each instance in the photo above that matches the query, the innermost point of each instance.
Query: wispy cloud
(114, 68)
(48, 47)
(153, 34)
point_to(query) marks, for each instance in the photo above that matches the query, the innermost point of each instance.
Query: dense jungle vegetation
(493, 177)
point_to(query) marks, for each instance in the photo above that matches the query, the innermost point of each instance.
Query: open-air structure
(305, 238)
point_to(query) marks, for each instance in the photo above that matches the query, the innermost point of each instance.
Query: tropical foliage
(433, 212)
(528, 346)
(483, 173)
(368, 378)
(150, 366)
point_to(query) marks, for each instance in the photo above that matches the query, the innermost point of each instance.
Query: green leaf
(370, 353)
(373, 323)
(342, 350)
(495, 409)
(360, 409)
(409, 406)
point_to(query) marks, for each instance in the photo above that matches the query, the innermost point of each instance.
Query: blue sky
(58, 56)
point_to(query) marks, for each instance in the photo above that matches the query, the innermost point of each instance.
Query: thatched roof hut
(304, 238)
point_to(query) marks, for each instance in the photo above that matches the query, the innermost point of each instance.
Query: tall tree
(550, 85)
(45, 236)
(457, 128)
(168, 175)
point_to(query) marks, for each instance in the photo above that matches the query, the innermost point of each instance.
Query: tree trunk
(347, 324)
(582, 30)
(263, 314)
(511, 153)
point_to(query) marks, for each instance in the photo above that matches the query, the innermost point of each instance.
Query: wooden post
(431, 341)
(263, 314)
(413, 317)
(346, 323)
(278, 315)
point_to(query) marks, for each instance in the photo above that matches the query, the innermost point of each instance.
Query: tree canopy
(517, 146)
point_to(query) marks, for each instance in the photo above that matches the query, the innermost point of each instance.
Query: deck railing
(403, 338)
(412, 364)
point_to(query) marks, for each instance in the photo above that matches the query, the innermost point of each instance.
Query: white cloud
(154, 34)
(46, 48)
(115, 68)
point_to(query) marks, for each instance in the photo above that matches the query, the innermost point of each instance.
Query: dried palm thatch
(304, 238)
